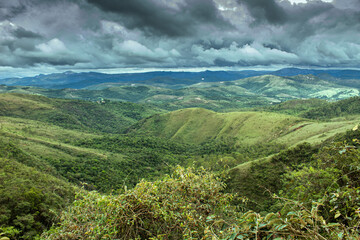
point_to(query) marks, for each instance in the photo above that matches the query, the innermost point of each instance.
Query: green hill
(49, 142)
(342, 108)
(103, 116)
(218, 96)
(294, 107)
(196, 125)
(30, 199)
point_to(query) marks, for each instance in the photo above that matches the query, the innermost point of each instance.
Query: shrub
(187, 204)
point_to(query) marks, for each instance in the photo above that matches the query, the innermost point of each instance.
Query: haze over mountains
(166, 78)
(219, 90)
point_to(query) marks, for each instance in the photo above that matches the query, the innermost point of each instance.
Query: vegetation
(196, 125)
(104, 116)
(277, 186)
(198, 208)
(30, 200)
(350, 106)
(148, 211)
(189, 92)
(295, 107)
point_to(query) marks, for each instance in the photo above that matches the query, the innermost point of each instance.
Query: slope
(196, 125)
(346, 107)
(102, 116)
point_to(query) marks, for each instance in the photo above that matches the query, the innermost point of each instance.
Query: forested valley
(74, 169)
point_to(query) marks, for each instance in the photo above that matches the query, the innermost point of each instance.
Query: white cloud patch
(135, 50)
(247, 54)
(54, 46)
(7, 29)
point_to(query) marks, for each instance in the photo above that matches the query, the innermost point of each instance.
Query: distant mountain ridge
(218, 96)
(167, 78)
(86, 79)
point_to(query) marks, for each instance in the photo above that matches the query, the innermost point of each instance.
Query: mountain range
(218, 91)
(168, 79)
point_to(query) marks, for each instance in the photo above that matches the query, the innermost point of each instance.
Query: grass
(315, 132)
(196, 125)
(112, 117)
(49, 148)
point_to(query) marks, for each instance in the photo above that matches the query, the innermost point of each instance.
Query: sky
(43, 36)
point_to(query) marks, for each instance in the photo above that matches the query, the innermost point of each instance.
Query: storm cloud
(268, 10)
(174, 19)
(98, 34)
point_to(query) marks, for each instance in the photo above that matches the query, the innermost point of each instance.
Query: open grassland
(196, 126)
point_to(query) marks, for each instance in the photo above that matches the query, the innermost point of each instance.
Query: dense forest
(73, 169)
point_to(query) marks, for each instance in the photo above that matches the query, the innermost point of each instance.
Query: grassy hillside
(197, 125)
(103, 116)
(46, 142)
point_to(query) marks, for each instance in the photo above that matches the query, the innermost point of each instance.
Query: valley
(255, 134)
(179, 120)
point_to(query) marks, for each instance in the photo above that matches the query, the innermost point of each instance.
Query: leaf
(333, 225)
(233, 236)
(268, 216)
(280, 227)
(338, 214)
(291, 213)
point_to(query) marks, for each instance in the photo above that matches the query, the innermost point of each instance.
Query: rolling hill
(49, 146)
(103, 116)
(170, 79)
(197, 126)
(228, 95)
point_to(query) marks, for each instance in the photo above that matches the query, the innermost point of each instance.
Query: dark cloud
(10, 8)
(94, 34)
(156, 17)
(23, 33)
(265, 10)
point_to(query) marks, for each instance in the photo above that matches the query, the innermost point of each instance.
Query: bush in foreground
(187, 205)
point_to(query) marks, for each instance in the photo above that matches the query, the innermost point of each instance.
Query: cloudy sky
(43, 36)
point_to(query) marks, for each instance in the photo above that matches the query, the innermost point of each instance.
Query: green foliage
(111, 117)
(333, 178)
(187, 205)
(264, 177)
(297, 222)
(29, 200)
(325, 186)
(196, 126)
(295, 107)
(223, 155)
(340, 108)
(143, 157)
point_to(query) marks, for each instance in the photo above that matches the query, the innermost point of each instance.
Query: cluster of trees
(341, 108)
(319, 198)
(29, 200)
(306, 192)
